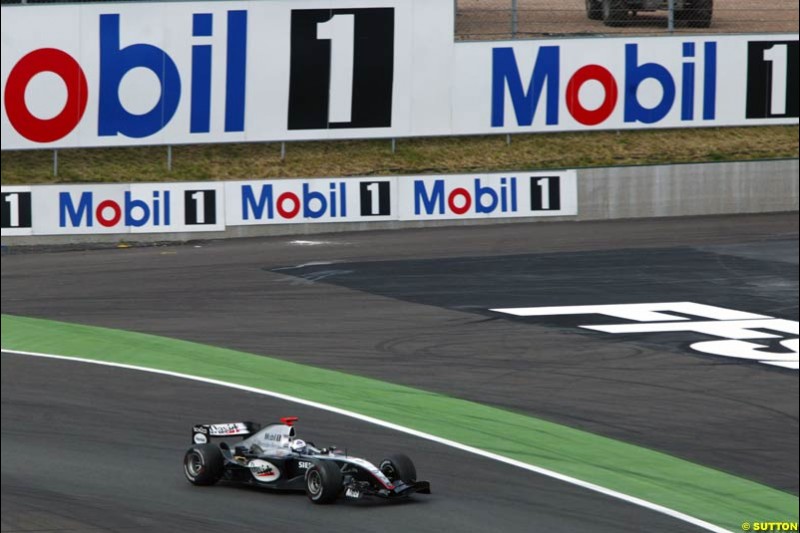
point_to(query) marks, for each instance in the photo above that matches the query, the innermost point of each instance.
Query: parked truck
(690, 13)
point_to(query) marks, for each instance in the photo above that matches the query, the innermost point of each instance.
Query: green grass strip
(705, 493)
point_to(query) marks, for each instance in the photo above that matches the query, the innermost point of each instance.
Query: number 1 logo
(342, 68)
(16, 210)
(200, 207)
(772, 86)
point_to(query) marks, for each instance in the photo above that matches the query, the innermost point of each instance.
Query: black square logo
(375, 198)
(16, 210)
(200, 207)
(772, 79)
(341, 68)
(545, 193)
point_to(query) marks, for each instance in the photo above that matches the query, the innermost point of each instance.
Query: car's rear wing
(201, 433)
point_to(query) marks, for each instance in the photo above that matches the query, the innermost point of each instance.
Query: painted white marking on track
(396, 427)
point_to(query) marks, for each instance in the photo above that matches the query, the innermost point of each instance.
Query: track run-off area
(386, 341)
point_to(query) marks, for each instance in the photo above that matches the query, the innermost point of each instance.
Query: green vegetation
(413, 156)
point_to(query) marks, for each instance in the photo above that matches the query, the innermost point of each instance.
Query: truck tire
(594, 9)
(696, 14)
(615, 12)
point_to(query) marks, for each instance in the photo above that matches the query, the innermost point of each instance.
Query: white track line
(469, 449)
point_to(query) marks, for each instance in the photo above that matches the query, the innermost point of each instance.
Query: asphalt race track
(90, 448)
(117, 466)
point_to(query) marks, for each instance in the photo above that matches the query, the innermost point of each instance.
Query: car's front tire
(323, 482)
(203, 464)
(399, 467)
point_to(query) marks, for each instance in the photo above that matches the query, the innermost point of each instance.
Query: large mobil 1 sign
(656, 82)
(214, 206)
(98, 74)
(193, 72)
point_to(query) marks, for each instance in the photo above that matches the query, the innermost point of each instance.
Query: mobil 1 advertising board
(500, 195)
(122, 74)
(405, 198)
(99, 74)
(293, 201)
(213, 206)
(625, 83)
(112, 209)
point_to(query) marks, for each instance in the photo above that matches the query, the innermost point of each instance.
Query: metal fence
(519, 19)
(503, 19)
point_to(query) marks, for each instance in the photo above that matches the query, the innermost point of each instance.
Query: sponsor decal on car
(200, 438)
(263, 470)
(236, 428)
(352, 493)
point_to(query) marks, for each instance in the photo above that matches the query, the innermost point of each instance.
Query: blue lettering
(710, 82)
(480, 192)
(635, 74)
(687, 98)
(130, 205)
(115, 62)
(506, 73)
(236, 71)
(256, 206)
(67, 209)
(428, 202)
(308, 196)
(200, 118)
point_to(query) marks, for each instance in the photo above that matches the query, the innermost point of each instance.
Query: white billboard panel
(625, 83)
(134, 208)
(502, 195)
(292, 201)
(281, 70)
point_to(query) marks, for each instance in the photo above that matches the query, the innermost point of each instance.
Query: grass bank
(413, 156)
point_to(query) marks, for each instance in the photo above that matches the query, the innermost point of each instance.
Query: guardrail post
(508, 139)
(283, 152)
(670, 16)
(394, 145)
(55, 161)
(514, 18)
(169, 158)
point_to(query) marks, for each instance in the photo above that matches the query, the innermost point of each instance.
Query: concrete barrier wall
(603, 194)
(691, 189)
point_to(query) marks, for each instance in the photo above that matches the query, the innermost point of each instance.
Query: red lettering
(591, 117)
(100, 213)
(64, 66)
(288, 197)
(465, 205)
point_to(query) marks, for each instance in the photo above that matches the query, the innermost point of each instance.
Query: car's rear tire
(615, 12)
(399, 466)
(323, 482)
(594, 9)
(203, 464)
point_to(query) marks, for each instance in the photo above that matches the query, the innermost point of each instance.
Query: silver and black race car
(273, 457)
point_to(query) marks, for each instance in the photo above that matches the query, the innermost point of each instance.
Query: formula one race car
(274, 458)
